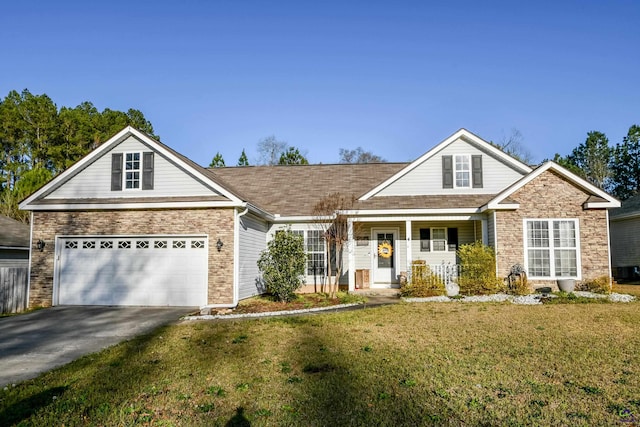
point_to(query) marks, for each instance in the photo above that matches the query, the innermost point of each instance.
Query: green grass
(406, 364)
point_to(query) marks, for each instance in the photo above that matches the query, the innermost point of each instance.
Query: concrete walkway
(37, 342)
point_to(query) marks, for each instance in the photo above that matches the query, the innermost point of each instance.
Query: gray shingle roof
(629, 207)
(13, 233)
(294, 190)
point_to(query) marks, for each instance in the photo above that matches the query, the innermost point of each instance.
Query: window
(438, 239)
(132, 171)
(88, 244)
(315, 253)
(551, 246)
(197, 244)
(314, 247)
(462, 171)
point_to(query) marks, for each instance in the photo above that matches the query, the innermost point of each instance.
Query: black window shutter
(425, 236)
(452, 239)
(116, 172)
(147, 170)
(476, 169)
(447, 171)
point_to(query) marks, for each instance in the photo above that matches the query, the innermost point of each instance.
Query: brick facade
(215, 223)
(551, 196)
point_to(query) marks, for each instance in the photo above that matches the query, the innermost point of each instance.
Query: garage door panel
(139, 270)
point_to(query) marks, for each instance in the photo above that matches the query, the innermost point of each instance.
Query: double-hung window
(314, 246)
(132, 171)
(438, 239)
(551, 248)
(462, 171)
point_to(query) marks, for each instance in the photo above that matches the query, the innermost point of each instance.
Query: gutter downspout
(609, 246)
(30, 249)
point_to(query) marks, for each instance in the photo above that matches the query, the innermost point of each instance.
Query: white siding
(252, 241)
(465, 235)
(95, 180)
(426, 179)
(363, 254)
(311, 279)
(625, 243)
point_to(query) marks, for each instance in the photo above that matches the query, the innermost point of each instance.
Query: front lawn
(405, 364)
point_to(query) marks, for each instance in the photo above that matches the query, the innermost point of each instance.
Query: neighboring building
(625, 239)
(135, 223)
(14, 243)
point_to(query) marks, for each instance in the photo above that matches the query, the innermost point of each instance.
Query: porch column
(351, 251)
(408, 241)
(485, 232)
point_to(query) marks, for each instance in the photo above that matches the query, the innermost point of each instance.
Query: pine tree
(218, 161)
(243, 161)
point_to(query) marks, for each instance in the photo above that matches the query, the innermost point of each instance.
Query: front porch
(381, 250)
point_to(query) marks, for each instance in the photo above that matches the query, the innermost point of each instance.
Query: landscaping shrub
(478, 270)
(283, 264)
(423, 282)
(599, 285)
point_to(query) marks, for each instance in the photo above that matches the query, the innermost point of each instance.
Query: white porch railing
(448, 272)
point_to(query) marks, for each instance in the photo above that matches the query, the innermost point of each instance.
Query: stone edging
(267, 314)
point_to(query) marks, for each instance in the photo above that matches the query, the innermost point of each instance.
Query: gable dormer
(461, 164)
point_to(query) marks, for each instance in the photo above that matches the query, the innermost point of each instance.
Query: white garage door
(132, 270)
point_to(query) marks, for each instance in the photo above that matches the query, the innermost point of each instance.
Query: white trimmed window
(551, 248)
(462, 171)
(132, 171)
(438, 239)
(314, 247)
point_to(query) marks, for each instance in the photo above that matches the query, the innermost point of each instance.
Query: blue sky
(395, 77)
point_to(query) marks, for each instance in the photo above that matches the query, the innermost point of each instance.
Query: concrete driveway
(37, 342)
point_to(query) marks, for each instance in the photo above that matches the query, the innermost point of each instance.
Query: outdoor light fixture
(40, 245)
(219, 244)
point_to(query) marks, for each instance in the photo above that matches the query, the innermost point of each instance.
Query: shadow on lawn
(24, 408)
(334, 392)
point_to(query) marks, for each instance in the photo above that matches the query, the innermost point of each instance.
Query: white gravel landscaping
(520, 299)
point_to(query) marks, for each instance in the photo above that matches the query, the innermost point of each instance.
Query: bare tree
(513, 145)
(359, 156)
(329, 216)
(270, 149)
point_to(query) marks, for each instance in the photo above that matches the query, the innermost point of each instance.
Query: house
(14, 243)
(135, 223)
(625, 239)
